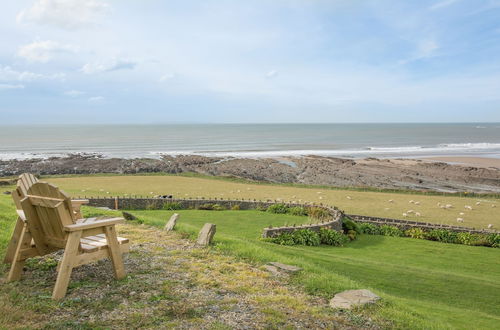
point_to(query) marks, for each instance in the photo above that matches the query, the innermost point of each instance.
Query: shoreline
(409, 174)
(475, 161)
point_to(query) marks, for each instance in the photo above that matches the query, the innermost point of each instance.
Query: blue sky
(97, 61)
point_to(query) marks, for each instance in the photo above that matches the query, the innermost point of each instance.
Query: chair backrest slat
(24, 183)
(48, 210)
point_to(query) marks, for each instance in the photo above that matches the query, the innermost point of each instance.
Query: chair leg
(66, 265)
(15, 239)
(115, 252)
(17, 264)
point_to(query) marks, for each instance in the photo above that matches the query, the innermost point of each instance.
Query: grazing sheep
(409, 211)
(411, 201)
(448, 206)
(348, 197)
(461, 213)
(417, 203)
(478, 203)
(468, 207)
(493, 205)
(320, 197)
(438, 204)
(417, 214)
(392, 201)
(405, 215)
(490, 226)
(460, 220)
(442, 206)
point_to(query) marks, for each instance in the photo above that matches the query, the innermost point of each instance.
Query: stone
(171, 223)
(7, 192)
(350, 298)
(285, 268)
(273, 270)
(206, 234)
(129, 216)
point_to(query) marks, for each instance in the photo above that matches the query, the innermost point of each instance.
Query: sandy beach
(468, 161)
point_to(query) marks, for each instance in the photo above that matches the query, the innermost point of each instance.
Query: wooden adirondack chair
(25, 181)
(50, 225)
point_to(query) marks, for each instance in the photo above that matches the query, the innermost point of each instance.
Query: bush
(415, 233)
(235, 207)
(391, 231)
(284, 239)
(172, 206)
(306, 237)
(465, 238)
(332, 237)
(442, 235)
(352, 234)
(261, 208)
(318, 213)
(368, 228)
(298, 210)
(278, 208)
(348, 225)
(494, 240)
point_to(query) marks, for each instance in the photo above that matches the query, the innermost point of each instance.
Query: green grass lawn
(423, 284)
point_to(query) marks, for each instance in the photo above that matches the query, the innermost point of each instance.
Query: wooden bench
(50, 225)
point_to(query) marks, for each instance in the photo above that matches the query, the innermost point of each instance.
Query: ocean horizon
(381, 140)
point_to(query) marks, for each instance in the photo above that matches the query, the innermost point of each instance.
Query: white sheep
(417, 214)
(478, 203)
(405, 215)
(460, 220)
(411, 201)
(410, 211)
(461, 213)
(391, 201)
(468, 207)
(493, 205)
(348, 197)
(448, 206)
(320, 197)
(490, 226)
(417, 203)
(438, 204)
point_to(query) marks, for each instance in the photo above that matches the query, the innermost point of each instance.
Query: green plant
(351, 234)
(298, 210)
(261, 208)
(318, 213)
(278, 208)
(494, 240)
(306, 237)
(283, 239)
(235, 207)
(348, 225)
(465, 238)
(369, 228)
(172, 206)
(218, 207)
(332, 237)
(391, 231)
(442, 235)
(150, 206)
(415, 232)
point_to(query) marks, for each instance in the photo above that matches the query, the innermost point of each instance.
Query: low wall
(407, 224)
(141, 203)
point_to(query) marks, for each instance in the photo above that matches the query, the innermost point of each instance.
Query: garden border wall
(407, 224)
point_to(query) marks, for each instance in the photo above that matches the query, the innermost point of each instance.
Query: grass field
(364, 203)
(423, 284)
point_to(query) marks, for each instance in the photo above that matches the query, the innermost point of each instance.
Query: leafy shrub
(211, 207)
(298, 210)
(261, 208)
(466, 238)
(442, 235)
(332, 237)
(415, 232)
(150, 206)
(494, 240)
(235, 207)
(348, 225)
(391, 231)
(284, 239)
(352, 234)
(318, 213)
(172, 206)
(369, 228)
(306, 237)
(278, 208)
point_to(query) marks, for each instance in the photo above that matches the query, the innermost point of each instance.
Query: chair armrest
(93, 224)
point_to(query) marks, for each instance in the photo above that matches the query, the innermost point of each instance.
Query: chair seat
(98, 242)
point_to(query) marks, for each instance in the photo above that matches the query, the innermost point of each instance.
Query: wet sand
(468, 161)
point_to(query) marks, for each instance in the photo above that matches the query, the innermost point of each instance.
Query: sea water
(253, 140)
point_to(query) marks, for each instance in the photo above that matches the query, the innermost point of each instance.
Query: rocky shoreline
(411, 174)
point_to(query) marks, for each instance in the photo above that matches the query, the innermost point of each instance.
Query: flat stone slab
(206, 234)
(171, 222)
(351, 298)
(129, 216)
(273, 270)
(285, 268)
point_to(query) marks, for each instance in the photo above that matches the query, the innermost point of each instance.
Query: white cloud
(166, 77)
(9, 74)
(111, 65)
(442, 4)
(43, 51)
(10, 86)
(66, 14)
(425, 48)
(74, 93)
(272, 74)
(96, 99)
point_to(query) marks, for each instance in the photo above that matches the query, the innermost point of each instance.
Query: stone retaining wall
(142, 203)
(407, 224)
